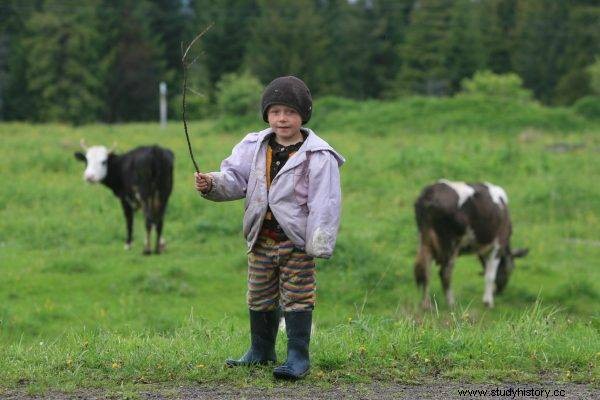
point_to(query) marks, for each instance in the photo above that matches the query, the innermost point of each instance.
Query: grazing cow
(456, 218)
(141, 177)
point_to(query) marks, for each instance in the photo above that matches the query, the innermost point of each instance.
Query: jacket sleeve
(231, 181)
(324, 204)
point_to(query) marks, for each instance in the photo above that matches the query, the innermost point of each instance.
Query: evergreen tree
(383, 24)
(133, 60)
(173, 23)
(424, 68)
(464, 51)
(497, 24)
(540, 43)
(583, 44)
(15, 101)
(223, 46)
(288, 38)
(61, 50)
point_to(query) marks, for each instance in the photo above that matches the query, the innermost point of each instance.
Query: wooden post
(163, 104)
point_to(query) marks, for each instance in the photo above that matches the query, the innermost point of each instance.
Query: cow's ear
(80, 156)
(518, 253)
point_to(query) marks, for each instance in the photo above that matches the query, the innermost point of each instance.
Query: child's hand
(203, 182)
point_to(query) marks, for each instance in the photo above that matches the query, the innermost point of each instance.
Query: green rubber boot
(263, 333)
(297, 365)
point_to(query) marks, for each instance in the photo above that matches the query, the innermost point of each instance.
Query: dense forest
(102, 60)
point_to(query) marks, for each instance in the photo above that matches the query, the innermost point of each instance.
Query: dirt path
(436, 390)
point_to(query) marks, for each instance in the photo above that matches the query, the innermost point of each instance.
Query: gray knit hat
(289, 91)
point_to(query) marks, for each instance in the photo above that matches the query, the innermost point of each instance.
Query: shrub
(572, 86)
(588, 107)
(329, 104)
(594, 74)
(489, 84)
(238, 95)
(197, 106)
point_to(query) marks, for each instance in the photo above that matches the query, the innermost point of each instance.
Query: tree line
(102, 60)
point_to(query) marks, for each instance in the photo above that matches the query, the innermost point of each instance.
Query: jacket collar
(312, 143)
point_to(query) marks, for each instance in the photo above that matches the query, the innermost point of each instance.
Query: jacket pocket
(252, 182)
(301, 186)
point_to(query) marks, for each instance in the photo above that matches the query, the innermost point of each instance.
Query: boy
(290, 180)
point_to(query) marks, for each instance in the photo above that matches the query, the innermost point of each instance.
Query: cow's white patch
(498, 194)
(491, 268)
(97, 159)
(463, 190)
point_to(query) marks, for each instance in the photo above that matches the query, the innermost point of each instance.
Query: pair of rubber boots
(263, 329)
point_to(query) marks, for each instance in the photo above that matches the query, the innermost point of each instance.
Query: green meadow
(77, 310)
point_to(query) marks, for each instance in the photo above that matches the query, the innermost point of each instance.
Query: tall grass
(535, 345)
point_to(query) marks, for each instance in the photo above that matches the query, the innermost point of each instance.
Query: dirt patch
(437, 390)
(562, 147)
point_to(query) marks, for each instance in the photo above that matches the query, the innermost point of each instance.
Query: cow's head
(96, 159)
(507, 265)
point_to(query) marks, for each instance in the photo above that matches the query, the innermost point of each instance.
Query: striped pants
(280, 274)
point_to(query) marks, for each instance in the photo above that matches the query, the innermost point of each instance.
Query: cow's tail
(425, 207)
(162, 182)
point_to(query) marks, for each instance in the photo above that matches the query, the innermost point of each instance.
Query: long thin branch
(194, 41)
(185, 65)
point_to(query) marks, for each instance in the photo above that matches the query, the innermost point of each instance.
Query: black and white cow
(142, 177)
(456, 218)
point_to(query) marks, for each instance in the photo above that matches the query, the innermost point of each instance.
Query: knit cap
(288, 91)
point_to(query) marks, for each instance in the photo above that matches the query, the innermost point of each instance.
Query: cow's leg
(159, 207)
(147, 248)
(446, 277)
(149, 223)
(128, 211)
(491, 267)
(422, 265)
(160, 244)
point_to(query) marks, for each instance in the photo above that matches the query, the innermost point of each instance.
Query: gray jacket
(305, 196)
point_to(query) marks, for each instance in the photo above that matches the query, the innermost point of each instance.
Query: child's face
(286, 123)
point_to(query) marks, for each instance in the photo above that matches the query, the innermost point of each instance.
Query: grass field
(77, 310)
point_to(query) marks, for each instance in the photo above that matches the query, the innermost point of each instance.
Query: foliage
(222, 49)
(588, 106)
(173, 23)
(572, 86)
(540, 43)
(490, 85)
(360, 49)
(287, 38)
(67, 90)
(197, 106)
(365, 38)
(464, 52)
(461, 113)
(423, 68)
(239, 95)
(583, 44)
(497, 23)
(132, 61)
(594, 73)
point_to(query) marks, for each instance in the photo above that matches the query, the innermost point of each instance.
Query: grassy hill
(77, 310)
